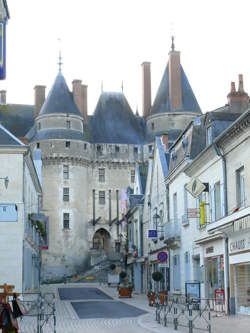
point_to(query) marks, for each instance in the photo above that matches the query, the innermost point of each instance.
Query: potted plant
(124, 289)
(157, 277)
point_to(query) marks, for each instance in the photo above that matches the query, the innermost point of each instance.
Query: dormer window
(135, 151)
(209, 135)
(184, 144)
(174, 158)
(150, 148)
(68, 124)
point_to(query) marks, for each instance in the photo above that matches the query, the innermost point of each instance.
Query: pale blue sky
(107, 40)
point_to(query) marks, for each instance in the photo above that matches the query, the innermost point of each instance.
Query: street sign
(165, 265)
(195, 187)
(152, 233)
(193, 213)
(162, 256)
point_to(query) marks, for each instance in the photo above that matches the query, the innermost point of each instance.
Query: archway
(101, 240)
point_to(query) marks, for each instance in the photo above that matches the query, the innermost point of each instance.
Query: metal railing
(180, 311)
(40, 313)
(172, 229)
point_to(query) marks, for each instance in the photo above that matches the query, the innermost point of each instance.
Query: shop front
(239, 260)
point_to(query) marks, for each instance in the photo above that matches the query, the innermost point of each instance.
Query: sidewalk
(68, 321)
(220, 324)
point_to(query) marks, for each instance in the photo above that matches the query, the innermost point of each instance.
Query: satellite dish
(195, 187)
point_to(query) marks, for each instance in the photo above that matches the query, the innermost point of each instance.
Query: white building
(20, 199)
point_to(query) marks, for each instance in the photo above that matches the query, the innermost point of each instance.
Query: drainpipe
(226, 261)
(224, 170)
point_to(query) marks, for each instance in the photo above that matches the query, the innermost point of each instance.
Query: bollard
(175, 318)
(209, 320)
(190, 318)
(54, 313)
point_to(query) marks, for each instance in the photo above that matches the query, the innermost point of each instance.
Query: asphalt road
(73, 294)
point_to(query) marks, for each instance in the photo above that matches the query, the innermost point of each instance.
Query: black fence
(181, 311)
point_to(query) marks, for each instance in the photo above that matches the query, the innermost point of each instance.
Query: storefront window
(215, 275)
(243, 288)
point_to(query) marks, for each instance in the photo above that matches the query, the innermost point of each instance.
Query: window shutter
(212, 204)
(223, 210)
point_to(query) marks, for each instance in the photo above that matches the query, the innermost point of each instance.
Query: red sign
(162, 256)
(219, 296)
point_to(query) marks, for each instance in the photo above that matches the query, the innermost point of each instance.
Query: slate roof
(164, 158)
(114, 122)
(17, 118)
(8, 139)
(162, 100)
(135, 199)
(60, 99)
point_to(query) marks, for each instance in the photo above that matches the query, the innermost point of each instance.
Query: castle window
(135, 151)
(85, 146)
(117, 149)
(38, 145)
(67, 144)
(39, 126)
(101, 197)
(150, 148)
(99, 149)
(102, 175)
(65, 220)
(65, 194)
(132, 176)
(153, 126)
(68, 124)
(65, 172)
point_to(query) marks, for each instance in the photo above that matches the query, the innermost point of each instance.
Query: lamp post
(6, 181)
(155, 219)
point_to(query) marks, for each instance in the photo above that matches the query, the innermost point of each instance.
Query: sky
(107, 40)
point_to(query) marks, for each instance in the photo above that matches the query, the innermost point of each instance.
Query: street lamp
(6, 181)
(155, 219)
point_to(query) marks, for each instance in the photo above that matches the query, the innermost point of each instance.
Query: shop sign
(242, 224)
(239, 244)
(152, 234)
(219, 296)
(209, 249)
(193, 213)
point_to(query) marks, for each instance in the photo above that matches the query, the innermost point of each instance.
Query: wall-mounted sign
(162, 256)
(152, 233)
(8, 213)
(193, 213)
(242, 243)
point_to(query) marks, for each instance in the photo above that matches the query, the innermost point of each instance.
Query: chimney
(175, 88)
(80, 97)
(164, 141)
(146, 89)
(238, 100)
(39, 99)
(3, 97)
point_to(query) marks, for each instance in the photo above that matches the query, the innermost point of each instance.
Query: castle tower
(175, 104)
(60, 135)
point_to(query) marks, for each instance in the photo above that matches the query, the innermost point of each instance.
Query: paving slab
(113, 309)
(68, 294)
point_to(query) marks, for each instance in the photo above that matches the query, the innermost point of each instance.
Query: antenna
(122, 86)
(60, 56)
(101, 86)
(172, 35)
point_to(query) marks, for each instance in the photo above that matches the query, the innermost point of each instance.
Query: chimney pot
(80, 97)
(3, 97)
(241, 87)
(39, 98)
(146, 88)
(233, 90)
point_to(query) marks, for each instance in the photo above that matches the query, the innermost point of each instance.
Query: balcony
(172, 234)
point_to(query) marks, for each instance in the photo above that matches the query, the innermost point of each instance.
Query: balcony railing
(172, 233)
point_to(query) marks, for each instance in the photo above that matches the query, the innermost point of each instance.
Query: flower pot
(125, 292)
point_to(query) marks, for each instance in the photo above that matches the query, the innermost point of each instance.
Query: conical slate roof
(114, 122)
(162, 99)
(60, 99)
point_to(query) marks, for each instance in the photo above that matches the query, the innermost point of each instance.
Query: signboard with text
(8, 213)
(152, 233)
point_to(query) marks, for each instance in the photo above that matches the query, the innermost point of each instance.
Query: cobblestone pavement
(68, 321)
